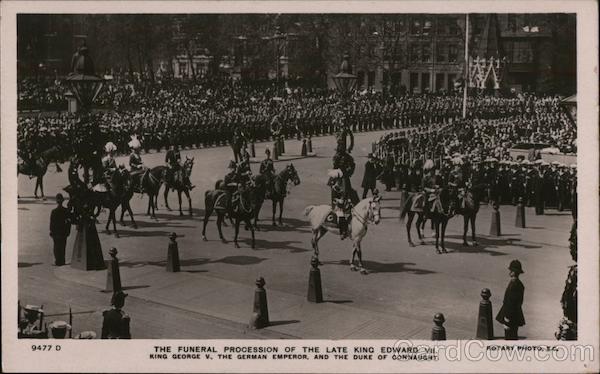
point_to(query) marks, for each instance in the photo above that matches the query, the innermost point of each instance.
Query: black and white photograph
(297, 176)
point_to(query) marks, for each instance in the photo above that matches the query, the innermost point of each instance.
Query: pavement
(212, 296)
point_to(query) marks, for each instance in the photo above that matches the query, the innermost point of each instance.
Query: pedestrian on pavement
(369, 181)
(60, 228)
(116, 322)
(511, 313)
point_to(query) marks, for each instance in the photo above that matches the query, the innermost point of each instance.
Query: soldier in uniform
(267, 168)
(136, 165)
(116, 322)
(108, 162)
(173, 161)
(511, 313)
(340, 203)
(344, 162)
(342, 133)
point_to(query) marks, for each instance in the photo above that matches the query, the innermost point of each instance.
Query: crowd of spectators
(207, 113)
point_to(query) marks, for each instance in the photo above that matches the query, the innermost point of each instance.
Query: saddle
(222, 201)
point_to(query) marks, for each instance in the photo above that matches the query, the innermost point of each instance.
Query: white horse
(365, 212)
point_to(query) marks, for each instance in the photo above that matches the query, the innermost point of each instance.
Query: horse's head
(374, 212)
(292, 174)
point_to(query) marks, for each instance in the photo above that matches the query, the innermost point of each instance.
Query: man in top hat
(267, 168)
(115, 324)
(369, 181)
(511, 313)
(60, 228)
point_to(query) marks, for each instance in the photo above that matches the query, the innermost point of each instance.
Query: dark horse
(439, 208)
(241, 208)
(149, 182)
(118, 183)
(180, 185)
(38, 167)
(279, 191)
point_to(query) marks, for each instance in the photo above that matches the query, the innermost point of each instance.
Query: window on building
(522, 52)
(451, 79)
(452, 53)
(425, 82)
(441, 54)
(511, 21)
(427, 26)
(416, 26)
(426, 48)
(400, 26)
(452, 26)
(440, 81)
(414, 81)
(371, 79)
(360, 80)
(397, 54)
(414, 53)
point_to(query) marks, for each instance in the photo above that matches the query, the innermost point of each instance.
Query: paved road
(212, 296)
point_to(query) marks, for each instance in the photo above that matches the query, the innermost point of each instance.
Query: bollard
(303, 150)
(252, 150)
(281, 145)
(173, 254)
(485, 323)
(275, 151)
(260, 314)
(495, 228)
(520, 219)
(113, 274)
(315, 290)
(309, 144)
(438, 332)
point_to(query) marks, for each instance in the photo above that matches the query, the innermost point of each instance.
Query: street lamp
(85, 85)
(345, 81)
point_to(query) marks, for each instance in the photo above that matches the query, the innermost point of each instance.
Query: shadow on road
(28, 264)
(283, 322)
(270, 244)
(240, 260)
(380, 267)
(484, 243)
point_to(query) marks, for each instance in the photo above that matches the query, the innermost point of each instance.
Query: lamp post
(85, 85)
(345, 82)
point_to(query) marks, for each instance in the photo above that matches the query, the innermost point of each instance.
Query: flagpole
(466, 80)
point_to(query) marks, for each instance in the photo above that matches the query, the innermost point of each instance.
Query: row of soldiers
(534, 183)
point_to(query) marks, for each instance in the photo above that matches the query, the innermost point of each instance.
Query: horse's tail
(308, 209)
(406, 208)
(218, 184)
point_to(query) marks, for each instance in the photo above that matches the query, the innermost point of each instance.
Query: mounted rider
(431, 187)
(243, 170)
(174, 171)
(136, 164)
(340, 203)
(109, 166)
(267, 168)
(344, 162)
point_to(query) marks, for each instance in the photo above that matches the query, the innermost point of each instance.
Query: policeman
(116, 322)
(267, 169)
